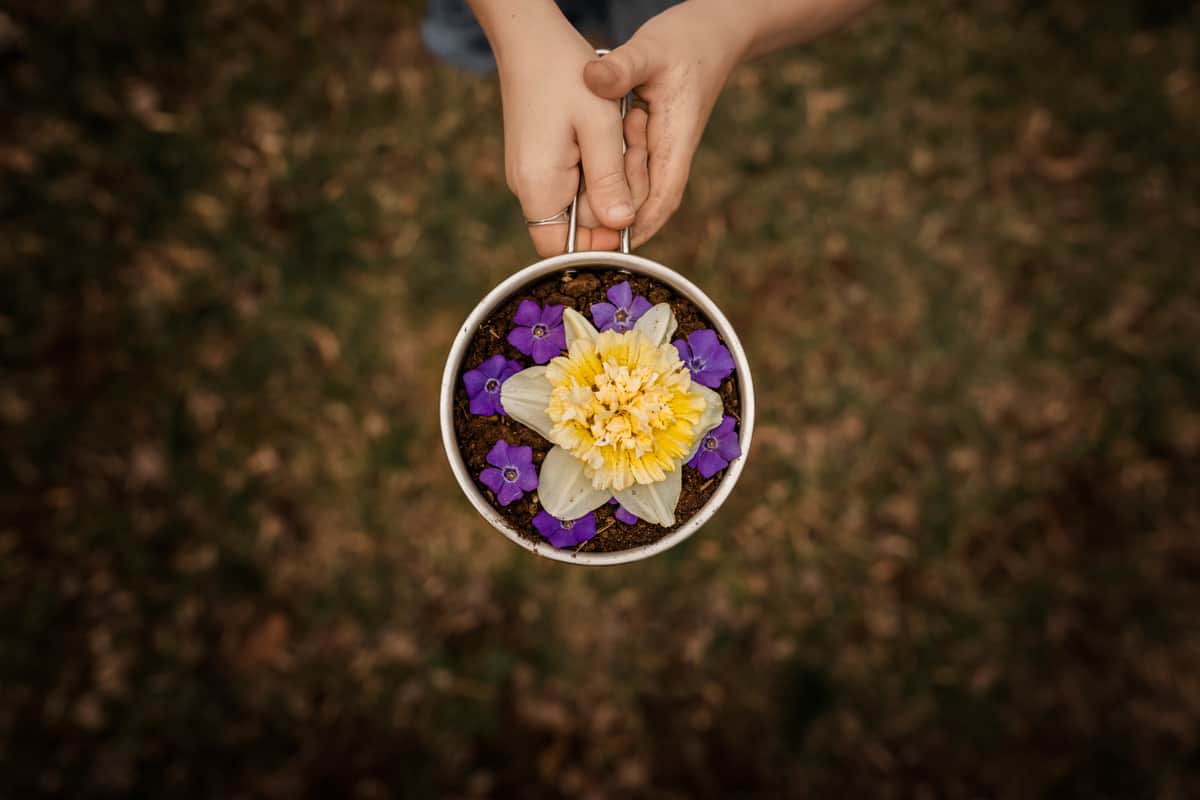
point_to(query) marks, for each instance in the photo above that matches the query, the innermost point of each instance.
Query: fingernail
(621, 211)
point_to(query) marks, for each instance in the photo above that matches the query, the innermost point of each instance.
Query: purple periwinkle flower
(512, 473)
(621, 310)
(483, 384)
(718, 447)
(539, 331)
(621, 514)
(565, 533)
(705, 356)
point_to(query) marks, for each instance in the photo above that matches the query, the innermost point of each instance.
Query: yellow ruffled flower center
(624, 407)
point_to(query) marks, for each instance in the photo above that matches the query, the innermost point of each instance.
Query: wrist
(515, 27)
(729, 32)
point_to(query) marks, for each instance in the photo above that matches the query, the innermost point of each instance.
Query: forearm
(514, 24)
(759, 27)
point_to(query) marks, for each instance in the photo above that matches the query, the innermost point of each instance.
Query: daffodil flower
(623, 413)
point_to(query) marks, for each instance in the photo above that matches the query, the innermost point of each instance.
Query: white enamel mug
(595, 260)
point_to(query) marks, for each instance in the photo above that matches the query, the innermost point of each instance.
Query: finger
(636, 173)
(604, 170)
(597, 239)
(636, 166)
(591, 235)
(637, 170)
(618, 73)
(670, 162)
(587, 217)
(544, 192)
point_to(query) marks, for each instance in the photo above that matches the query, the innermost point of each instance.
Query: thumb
(618, 73)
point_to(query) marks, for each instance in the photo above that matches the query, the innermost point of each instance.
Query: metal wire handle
(573, 222)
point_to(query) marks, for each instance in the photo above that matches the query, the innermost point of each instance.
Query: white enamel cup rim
(594, 259)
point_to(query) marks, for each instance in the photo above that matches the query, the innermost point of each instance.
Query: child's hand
(678, 63)
(553, 124)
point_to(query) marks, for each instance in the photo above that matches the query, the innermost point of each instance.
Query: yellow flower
(623, 407)
(624, 415)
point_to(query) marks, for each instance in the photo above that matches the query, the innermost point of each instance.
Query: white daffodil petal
(563, 488)
(657, 324)
(525, 397)
(714, 412)
(654, 502)
(576, 326)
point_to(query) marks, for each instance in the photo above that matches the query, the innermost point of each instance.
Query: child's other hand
(677, 62)
(552, 125)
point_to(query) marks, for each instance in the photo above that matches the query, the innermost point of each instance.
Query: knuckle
(608, 181)
(527, 176)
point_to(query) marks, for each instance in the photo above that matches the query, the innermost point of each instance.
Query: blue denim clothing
(452, 33)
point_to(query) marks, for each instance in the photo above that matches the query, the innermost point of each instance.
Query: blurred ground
(960, 243)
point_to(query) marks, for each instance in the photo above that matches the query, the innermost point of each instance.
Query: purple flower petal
(584, 528)
(708, 462)
(493, 479)
(485, 404)
(727, 439)
(552, 316)
(522, 461)
(624, 516)
(602, 315)
(620, 295)
(704, 343)
(709, 377)
(528, 314)
(548, 347)
(508, 492)
(621, 514)
(720, 363)
(511, 367)
(528, 478)
(640, 306)
(565, 534)
(707, 359)
(561, 538)
(498, 455)
(728, 447)
(474, 381)
(622, 325)
(545, 523)
(522, 339)
(557, 336)
(520, 456)
(493, 366)
(553, 530)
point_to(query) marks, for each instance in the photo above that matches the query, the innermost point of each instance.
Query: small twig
(706, 484)
(602, 530)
